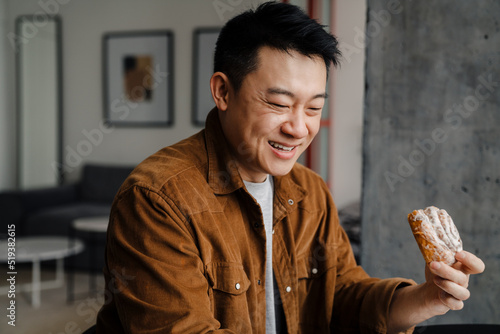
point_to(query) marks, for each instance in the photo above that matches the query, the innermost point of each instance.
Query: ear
(219, 85)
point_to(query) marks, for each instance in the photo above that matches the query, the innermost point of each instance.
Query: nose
(295, 126)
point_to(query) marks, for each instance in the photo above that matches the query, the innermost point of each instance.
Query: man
(224, 232)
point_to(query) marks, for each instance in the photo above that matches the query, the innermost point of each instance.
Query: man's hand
(447, 285)
(445, 289)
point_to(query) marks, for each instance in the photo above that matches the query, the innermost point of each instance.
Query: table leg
(70, 293)
(60, 272)
(92, 257)
(35, 281)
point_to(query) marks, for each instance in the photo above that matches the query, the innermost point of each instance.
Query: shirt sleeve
(361, 302)
(155, 281)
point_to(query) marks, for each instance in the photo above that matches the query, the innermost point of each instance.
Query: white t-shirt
(263, 193)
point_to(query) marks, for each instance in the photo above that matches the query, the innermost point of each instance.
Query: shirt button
(288, 289)
(237, 286)
(314, 271)
(290, 201)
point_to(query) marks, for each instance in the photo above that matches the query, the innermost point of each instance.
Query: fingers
(449, 273)
(452, 284)
(471, 264)
(452, 281)
(452, 289)
(450, 302)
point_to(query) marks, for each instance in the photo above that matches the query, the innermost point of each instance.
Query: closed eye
(278, 105)
(314, 111)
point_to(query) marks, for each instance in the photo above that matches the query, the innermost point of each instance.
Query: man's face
(276, 113)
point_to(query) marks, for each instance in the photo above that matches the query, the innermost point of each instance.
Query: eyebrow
(281, 91)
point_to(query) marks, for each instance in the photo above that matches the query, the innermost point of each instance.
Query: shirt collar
(223, 175)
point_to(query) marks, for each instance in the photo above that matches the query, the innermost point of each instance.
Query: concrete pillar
(432, 137)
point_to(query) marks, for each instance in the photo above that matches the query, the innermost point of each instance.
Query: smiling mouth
(281, 147)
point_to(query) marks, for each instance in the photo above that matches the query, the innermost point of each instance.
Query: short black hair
(277, 25)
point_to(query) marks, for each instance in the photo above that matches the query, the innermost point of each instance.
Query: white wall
(347, 99)
(84, 23)
(38, 106)
(7, 114)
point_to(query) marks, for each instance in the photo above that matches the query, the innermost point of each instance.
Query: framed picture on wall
(204, 40)
(138, 78)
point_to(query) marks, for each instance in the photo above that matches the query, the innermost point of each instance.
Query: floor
(55, 315)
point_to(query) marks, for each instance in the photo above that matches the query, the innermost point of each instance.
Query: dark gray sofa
(51, 211)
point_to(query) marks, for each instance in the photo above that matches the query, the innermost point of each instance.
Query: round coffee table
(92, 224)
(35, 250)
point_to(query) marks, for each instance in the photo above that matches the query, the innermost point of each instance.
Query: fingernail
(460, 255)
(435, 265)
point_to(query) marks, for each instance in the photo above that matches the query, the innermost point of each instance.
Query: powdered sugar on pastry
(436, 234)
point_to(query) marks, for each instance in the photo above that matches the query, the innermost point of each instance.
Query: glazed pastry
(436, 234)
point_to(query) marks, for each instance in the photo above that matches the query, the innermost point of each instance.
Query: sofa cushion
(11, 209)
(58, 220)
(101, 183)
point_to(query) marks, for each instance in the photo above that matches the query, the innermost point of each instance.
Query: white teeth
(281, 147)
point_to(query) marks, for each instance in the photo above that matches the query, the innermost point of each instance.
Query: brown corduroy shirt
(186, 251)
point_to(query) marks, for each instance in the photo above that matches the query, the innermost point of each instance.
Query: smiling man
(224, 232)
(275, 114)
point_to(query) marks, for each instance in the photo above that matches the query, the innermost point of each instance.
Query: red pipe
(309, 151)
(311, 8)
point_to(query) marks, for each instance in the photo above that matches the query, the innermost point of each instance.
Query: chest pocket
(315, 265)
(228, 286)
(228, 277)
(316, 285)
